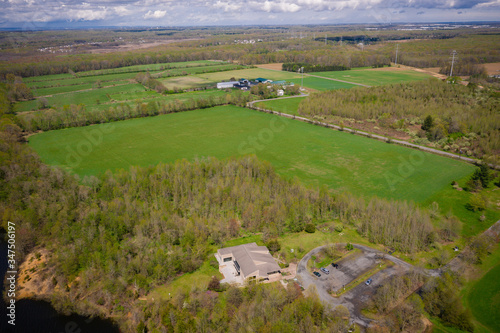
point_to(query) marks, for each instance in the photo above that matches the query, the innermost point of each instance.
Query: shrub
(310, 228)
(477, 203)
(273, 245)
(214, 284)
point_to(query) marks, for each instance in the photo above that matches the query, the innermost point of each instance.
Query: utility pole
(453, 55)
(325, 39)
(302, 81)
(341, 37)
(397, 49)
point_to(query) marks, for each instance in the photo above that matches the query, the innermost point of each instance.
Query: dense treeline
(442, 299)
(462, 119)
(77, 115)
(147, 81)
(471, 49)
(256, 308)
(400, 225)
(463, 68)
(17, 90)
(295, 67)
(401, 313)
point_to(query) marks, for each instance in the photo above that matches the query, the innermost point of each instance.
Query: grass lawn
(484, 300)
(72, 81)
(375, 77)
(482, 296)
(185, 82)
(315, 155)
(88, 98)
(186, 282)
(288, 105)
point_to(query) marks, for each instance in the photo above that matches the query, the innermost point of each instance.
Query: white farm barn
(225, 85)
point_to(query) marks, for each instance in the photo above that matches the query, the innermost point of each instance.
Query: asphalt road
(355, 298)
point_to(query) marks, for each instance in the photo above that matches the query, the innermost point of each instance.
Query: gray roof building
(249, 260)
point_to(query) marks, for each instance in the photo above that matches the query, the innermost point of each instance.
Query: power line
(397, 49)
(453, 56)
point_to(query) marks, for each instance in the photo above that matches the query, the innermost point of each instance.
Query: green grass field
(315, 155)
(375, 77)
(483, 297)
(185, 82)
(320, 84)
(286, 105)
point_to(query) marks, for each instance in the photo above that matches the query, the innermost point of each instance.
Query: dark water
(40, 317)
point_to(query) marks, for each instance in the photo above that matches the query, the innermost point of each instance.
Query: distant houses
(245, 84)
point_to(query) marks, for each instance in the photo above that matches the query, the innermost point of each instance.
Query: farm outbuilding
(225, 85)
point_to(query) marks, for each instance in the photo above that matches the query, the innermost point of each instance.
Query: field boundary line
(321, 77)
(331, 79)
(83, 90)
(250, 105)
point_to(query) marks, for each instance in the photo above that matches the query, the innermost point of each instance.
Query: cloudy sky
(30, 14)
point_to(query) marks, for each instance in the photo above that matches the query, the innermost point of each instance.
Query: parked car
(317, 274)
(368, 282)
(334, 265)
(325, 270)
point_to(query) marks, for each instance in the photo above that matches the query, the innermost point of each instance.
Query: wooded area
(462, 119)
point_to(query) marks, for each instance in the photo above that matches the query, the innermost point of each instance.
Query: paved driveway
(348, 270)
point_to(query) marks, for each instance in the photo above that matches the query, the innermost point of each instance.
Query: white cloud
(122, 11)
(86, 14)
(489, 4)
(207, 12)
(274, 6)
(227, 6)
(157, 14)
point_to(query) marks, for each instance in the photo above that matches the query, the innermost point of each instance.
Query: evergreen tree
(428, 123)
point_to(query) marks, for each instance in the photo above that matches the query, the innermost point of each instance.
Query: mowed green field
(314, 154)
(285, 105)
(484, 300)
(376, 76)
(321, 84)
